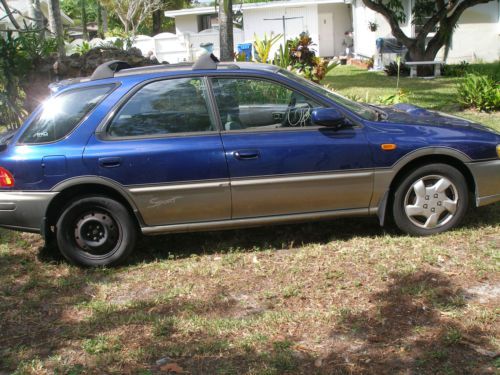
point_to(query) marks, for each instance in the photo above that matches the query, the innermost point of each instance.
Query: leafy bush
(392, 69)
(480, 92)
(455, 70)
(299, 56)
(83, 48)
(263, 46)
(283, 58)
(459, 70)
(13, 63)
(400, 96)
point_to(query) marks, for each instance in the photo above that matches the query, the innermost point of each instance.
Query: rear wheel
(96, 231)
(431, 199)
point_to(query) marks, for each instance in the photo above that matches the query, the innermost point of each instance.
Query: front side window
(360, 109)
(162, 108)
(246, 103)
(61, 114)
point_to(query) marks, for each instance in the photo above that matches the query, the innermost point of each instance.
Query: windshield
(361, 110)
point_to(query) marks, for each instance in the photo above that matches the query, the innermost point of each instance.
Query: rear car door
(164, 147)
(278, 162)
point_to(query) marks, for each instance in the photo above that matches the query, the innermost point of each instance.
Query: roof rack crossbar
(108, 69)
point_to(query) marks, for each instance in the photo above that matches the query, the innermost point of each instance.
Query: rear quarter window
(61, 114)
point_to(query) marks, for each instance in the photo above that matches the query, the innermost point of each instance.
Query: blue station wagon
(205, 146)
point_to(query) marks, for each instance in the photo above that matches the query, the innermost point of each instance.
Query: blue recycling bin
(246, 48)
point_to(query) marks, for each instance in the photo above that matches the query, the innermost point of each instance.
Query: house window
(425, 14)
(207, 21)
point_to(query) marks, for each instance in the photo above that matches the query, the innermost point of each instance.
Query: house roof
(248, 6)
(20, 9)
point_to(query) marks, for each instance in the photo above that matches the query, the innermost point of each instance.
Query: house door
(326, 35)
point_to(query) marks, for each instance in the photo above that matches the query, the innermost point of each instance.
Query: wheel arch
(417, 159)
(434, 159)
(70, 190)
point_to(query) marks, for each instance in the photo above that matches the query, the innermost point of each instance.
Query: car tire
(431, 199)
(96, 231)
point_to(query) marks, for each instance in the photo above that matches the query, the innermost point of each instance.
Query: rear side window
(61, 114)
(164, 107)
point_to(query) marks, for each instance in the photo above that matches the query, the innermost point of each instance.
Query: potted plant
(373, 26)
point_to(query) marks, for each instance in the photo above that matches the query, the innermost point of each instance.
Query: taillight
(6, 179)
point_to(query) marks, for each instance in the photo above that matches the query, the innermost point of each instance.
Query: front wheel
(431, 199)
(96, 231)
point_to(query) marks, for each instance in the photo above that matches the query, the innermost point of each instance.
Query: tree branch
(10, 15)
(390, 16)
(433, 21)
(448, 23)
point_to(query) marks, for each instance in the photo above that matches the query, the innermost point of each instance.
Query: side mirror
(329, 117)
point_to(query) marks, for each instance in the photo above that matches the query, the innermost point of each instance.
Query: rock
(163, 361)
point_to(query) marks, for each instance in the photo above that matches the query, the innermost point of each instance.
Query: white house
(330, 23)
(477, 36)
(21, 12)
(327, 21)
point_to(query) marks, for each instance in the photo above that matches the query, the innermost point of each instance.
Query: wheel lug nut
(426, 197)
(433, 209)
(425, 206)
(439, 203)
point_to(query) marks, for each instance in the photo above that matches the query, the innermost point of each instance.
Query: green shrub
(392, 69)
(455, 70)
(480, 92)
(400, 96)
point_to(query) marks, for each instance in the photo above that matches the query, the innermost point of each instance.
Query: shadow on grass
(280, 237)
(277, 237)
(42, 299)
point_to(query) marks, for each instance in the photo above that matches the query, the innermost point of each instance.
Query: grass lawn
(437, 94)
(337, 297)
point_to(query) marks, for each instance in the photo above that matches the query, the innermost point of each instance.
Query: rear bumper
(24, 210)
(487, 178)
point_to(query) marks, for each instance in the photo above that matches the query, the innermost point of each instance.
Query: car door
(278, 162)
(164, 147)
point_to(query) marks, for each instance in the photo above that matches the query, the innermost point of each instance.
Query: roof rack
(115, 68)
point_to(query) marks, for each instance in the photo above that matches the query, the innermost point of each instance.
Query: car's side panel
(299, 171)
(171, 179)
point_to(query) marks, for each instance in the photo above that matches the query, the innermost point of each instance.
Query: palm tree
(37, 15)
(85, 34)
(226, 30)
(55, 25)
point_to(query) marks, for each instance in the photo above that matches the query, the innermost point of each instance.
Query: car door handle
(111, 162)
(246, 154)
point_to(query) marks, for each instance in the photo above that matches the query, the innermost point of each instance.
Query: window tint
(257, 104)
(61, 114)
(164, 107)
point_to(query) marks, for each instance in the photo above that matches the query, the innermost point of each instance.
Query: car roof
(117, 69)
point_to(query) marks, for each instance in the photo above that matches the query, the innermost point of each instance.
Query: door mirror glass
(329, 117)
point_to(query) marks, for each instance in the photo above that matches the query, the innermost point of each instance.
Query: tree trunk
(56, 22)
(85, 34)
(104, 14)
(37, 15)
(10, 15)
(157, 21)
(226, 30)
(100, 33)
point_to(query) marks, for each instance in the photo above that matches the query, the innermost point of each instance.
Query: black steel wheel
(96, 231)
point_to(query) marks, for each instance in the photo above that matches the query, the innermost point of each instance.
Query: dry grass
(338, 297)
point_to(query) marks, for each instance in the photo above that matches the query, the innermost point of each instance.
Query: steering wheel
(296, 116)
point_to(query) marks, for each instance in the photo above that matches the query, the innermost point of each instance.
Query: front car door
(164, 147)
(278, 162)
